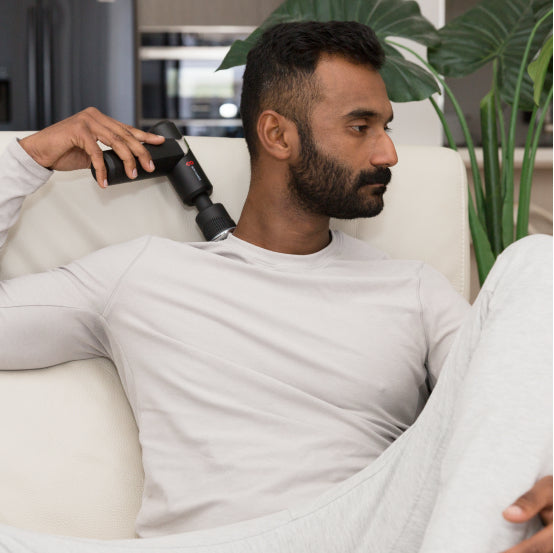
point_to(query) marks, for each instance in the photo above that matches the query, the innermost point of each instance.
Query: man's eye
(360, 128)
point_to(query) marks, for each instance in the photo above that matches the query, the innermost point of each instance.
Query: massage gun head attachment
(175, 160)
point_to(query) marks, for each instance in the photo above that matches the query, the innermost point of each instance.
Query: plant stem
(501, 126)
(502, 141)
(483, 253)
(446, 128)
(528, 167)
(525, 180)
(508, 174)
(491, 170)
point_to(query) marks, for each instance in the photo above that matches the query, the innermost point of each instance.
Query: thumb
(516, 513)
(526, 506)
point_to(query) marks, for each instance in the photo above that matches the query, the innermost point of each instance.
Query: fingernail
(151, 165)
(514, 511)
(135, 173)
(105, 183)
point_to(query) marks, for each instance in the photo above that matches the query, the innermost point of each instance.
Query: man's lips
(373, 185)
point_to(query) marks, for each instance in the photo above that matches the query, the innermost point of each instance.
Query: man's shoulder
(360, 252)
(357, 249)
(154, 249)
(121, 255)
(136, 260)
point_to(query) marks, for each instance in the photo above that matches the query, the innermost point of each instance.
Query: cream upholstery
(70, 461)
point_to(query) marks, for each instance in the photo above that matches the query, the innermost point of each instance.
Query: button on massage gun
(174, 159)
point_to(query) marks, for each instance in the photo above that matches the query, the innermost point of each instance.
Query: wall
(202, 12)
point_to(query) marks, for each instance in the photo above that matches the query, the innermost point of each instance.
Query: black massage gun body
(175, 160)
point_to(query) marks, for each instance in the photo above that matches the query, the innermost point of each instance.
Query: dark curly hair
(279, 68)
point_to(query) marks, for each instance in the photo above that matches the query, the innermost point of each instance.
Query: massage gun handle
(165, 158)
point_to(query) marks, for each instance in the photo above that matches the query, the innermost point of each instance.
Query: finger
(97, 159)
(143, 136)
(529, 504)
(85, 141)
(129, 148)
(123, 151)
(125, 140)
(541, 542)
(138, 148)
(546, 515)
(134, 138)
(144, 155)
(93, 125)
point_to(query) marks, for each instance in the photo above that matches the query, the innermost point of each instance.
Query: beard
(322, 185)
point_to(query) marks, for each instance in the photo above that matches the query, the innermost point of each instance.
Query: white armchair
(70, 461)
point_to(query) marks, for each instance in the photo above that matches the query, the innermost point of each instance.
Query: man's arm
(58, 315)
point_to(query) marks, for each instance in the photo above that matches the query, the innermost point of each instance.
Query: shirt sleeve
(443, 310)
(55, 316)
(58, 316)
(20, 176)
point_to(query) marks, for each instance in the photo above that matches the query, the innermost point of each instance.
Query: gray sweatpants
(484, 438)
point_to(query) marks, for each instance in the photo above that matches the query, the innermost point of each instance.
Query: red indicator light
(189, 163)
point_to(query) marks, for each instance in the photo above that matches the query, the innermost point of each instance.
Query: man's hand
(537, 501)
(71, 144)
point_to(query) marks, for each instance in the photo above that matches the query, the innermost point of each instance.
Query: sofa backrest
(424, 217)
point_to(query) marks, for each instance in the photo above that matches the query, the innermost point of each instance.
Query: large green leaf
(492, 30)
(539, 68)
(483, 251)
(405, 80)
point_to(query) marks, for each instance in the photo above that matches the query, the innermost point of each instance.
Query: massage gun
(175, 160)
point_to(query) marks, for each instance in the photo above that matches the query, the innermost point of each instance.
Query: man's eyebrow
(365, 114)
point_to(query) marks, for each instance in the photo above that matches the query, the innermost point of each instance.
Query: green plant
(508, 34)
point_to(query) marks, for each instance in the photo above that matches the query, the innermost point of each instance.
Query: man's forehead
(352, 89)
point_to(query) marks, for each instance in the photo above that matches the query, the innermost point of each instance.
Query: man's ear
(277, 135)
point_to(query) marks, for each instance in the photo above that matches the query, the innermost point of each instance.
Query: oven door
(179, 82)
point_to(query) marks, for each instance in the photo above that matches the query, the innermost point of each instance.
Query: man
(334, 353)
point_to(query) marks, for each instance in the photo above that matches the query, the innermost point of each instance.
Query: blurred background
(145, 60)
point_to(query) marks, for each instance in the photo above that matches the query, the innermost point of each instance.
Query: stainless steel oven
(179, 82)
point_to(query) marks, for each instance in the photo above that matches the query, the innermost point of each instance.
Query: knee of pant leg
(535, 247)
(526, 262)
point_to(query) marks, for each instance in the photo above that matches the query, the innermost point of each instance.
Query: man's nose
(384, 153)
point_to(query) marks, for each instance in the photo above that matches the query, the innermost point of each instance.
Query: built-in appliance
(60, 56)
(179, 80)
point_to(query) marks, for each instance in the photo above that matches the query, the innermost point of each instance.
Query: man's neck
(281, 229)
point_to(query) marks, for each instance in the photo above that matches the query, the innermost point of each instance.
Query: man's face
(322, 185)
(345, 154)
